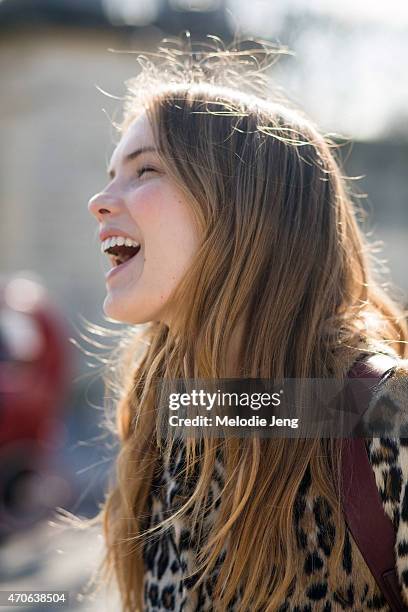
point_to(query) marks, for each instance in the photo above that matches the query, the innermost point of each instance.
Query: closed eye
(145, 169)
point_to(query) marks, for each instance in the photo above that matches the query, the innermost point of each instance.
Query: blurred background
(348, 73)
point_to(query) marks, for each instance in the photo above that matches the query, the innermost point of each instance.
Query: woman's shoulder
(388, 456)
(388, 405)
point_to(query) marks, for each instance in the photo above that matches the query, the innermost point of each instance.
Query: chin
(131, 314)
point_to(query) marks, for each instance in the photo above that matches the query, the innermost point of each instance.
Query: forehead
(138, 135)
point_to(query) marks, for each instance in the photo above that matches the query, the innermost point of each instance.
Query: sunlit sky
(261, 16)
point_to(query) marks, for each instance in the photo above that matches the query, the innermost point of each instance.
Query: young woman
(233, 238)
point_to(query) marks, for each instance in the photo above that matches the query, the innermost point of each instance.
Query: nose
(103, 204)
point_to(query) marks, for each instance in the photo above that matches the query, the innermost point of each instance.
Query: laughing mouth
(120, 249)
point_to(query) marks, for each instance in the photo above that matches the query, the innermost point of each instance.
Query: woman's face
(143, 205)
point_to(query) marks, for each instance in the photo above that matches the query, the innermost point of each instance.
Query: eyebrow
(132, 156)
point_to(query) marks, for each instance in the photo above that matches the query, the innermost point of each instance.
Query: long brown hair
(281, 255)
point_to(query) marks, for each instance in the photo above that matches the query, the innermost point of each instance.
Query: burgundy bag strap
(370, 527)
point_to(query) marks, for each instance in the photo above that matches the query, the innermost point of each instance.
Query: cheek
(170, 238)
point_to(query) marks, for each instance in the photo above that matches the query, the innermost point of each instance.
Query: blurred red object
(34, 361)
(35, 368)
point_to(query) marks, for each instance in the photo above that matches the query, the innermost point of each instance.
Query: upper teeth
(118, 241)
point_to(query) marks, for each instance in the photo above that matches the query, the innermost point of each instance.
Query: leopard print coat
(169, 556)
